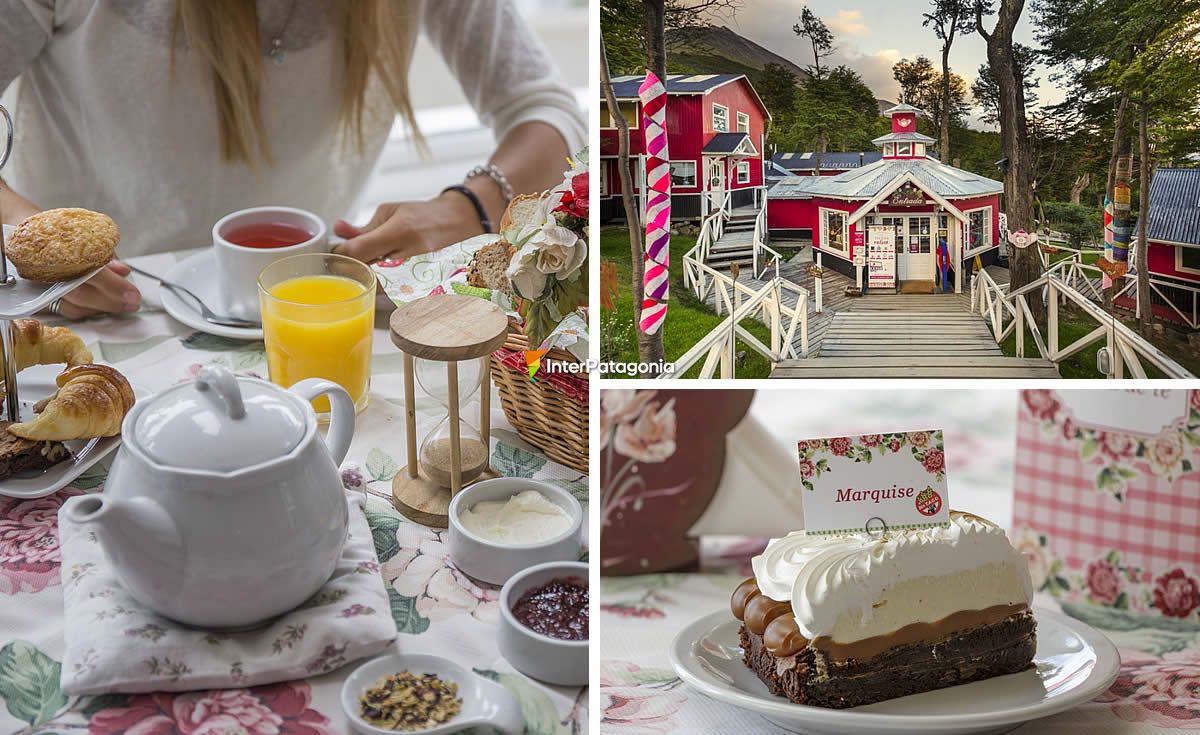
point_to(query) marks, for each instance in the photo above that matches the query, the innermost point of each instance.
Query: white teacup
(238, 265)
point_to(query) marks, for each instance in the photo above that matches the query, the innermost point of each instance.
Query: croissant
(91, 401)
(36, 344)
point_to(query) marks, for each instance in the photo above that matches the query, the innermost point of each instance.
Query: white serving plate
(1074, 663)
(34, 384)
(198, 274)
(25, 298)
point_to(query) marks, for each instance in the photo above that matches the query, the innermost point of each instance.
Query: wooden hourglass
(451, 336)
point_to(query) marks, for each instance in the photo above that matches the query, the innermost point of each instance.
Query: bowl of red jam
(544, 622)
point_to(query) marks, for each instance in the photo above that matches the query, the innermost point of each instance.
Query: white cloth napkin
(113, 644)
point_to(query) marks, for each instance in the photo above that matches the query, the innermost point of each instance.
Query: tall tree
(1024, 265)
(986, 92)
(818, 35)
(650, 346)
(835, 112)
(916, 79)
(949, 19)
(1145, 171)
(923, 86)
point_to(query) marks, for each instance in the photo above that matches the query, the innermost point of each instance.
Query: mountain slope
(717, 49)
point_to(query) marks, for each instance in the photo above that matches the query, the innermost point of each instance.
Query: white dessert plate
(198, 274)
(25, 298)
(484, 702)
(1074, 663)
(34, 384)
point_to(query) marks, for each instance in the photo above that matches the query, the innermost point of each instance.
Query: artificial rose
(1176, 594)
(560, 251)
(523, 273)
(1116, 444)
(807, 468)
(1028, 544)
(871, 440)
(1041, 403)
(1103, 581)
(919, 439)
(934, 460)
(839, 445)
(279, 709)
(651, 438)
(574, 199)
(1165, 452)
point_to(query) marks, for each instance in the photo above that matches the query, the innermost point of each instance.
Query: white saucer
(198, 274)
(34, 384)
(1074, 663)
(25, 297)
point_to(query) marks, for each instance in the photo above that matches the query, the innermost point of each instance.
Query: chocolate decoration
(774, 622)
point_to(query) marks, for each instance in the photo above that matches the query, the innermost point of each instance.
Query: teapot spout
(139, 537)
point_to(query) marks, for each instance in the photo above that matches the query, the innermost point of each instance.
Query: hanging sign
(858, 247)
(908, 195)
(1022, 239)
(874, 481)
(881, 257)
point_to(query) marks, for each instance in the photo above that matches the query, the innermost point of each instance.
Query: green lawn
(688, 320)
(1071, 327)
(1088, 258)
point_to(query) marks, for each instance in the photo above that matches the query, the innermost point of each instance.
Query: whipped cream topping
(854, 587)
(525, 518)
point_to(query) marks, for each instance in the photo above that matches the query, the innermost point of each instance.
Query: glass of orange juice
(318, 314)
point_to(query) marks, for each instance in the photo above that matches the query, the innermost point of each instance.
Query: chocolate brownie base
(811, 677)
(19, 455)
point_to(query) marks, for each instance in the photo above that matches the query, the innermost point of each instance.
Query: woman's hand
(108, 292)
(403, 229)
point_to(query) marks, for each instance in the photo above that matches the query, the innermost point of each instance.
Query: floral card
(1107, 504)
(874, 482)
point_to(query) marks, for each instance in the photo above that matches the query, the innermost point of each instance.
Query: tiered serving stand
(21, 298)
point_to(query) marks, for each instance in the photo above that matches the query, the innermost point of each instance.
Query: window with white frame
(604, 178)
(743, 122)
(889, 149)
(904, 149)
(918, 149)
(834, 230)
(720, 119)
(979, 228)
(683, 174)
(1187, 260)
(743, 172)
(629, 111)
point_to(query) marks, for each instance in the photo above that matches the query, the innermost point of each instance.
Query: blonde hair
(225, 34)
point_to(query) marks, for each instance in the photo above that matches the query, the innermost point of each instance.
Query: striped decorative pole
(1106, 282)
(658, 204)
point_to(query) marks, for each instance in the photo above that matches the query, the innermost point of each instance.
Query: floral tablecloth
(1158, 690)
(437, 609)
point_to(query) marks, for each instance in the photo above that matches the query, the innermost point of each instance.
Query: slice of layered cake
(843, 621)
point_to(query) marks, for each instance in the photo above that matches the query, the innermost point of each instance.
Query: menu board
(881, 256)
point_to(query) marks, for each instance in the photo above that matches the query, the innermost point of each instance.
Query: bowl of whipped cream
(502, 526)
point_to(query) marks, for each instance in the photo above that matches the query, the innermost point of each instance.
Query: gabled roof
(864, 183)
(626, 87)
(1175, 206)
(830, 160)
(725, 143)
(903, 107)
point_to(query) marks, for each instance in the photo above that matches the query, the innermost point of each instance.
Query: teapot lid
(219, 423)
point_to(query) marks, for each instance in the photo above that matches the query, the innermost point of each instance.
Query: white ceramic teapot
(224, 507)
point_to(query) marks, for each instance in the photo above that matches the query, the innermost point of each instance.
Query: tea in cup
(248, 241)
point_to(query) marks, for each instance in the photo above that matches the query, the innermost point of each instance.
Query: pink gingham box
(1107, 502)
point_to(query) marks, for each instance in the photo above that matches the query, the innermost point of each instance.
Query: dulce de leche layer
(774, 621)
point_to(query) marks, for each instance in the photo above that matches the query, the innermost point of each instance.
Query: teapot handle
(341, 409)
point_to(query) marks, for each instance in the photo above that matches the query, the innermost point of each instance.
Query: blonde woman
(168, 114)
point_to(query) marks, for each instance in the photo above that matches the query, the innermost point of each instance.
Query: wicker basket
(545, 417)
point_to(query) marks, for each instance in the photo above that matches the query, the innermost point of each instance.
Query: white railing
(1190, 318)
(760, 248)
(1008, 313)
(711, 230)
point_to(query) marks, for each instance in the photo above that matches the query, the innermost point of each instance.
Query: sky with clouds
(870, 36)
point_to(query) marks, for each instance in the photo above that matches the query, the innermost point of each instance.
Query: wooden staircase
(910, 336)
(737, 241)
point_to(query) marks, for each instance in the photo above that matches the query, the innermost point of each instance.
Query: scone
(489, 267)
(19, 455)
(61, 244)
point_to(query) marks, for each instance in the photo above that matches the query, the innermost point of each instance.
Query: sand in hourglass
(436, 463)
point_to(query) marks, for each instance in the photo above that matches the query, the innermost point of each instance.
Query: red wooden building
(716, 126)
(1173, 255)
(906, 198)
